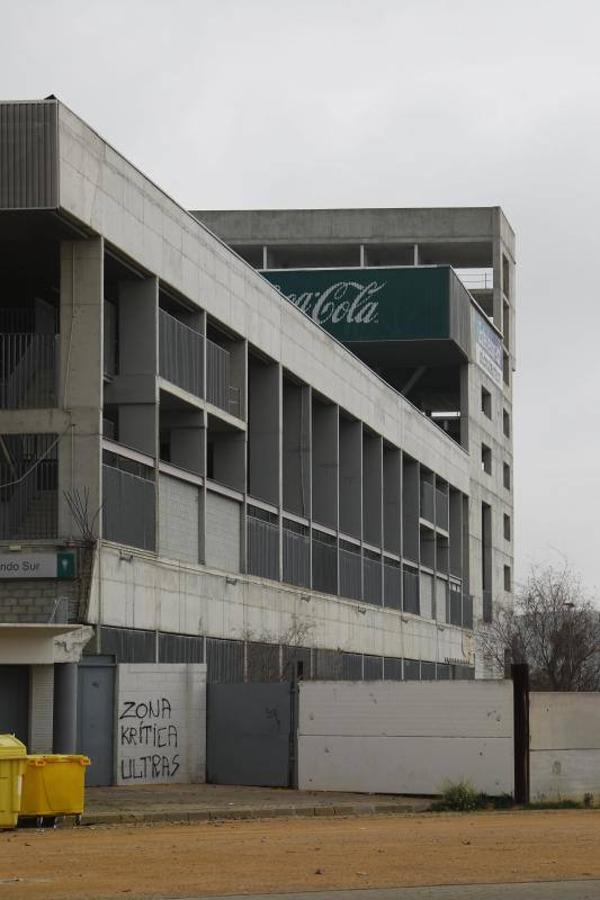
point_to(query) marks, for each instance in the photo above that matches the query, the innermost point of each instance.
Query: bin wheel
(78, 819)
(39, 821)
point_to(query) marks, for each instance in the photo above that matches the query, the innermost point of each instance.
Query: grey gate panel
(14, 701)
(95, 717)
(249, 734)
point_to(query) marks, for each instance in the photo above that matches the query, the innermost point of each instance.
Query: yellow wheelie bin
(13, 758)
(53, 785)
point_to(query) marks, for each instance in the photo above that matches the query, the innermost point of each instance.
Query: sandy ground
(298, 854)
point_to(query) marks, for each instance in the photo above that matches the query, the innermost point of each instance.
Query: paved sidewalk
(203, 802)
(539, 890)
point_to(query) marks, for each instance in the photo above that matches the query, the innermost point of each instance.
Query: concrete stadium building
(194, 469)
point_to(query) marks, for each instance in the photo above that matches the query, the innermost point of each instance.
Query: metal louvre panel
(263, 549)
(350, 578)
(427, 671)
(412, 670)
(352, 666)
(455, 602)
(296, 663)
(328, 665)
(262, 661)
(324, 566)
(460, 312)
(410, 584)
(373, 592)
(180, 648)
(296, 558)
(441, 508)
(392, 586)
(29, 155)
(442, 672)
(467, 616)
(225, 660)
(392, 669)
(128, 645)
(129, 508)
(373, 668)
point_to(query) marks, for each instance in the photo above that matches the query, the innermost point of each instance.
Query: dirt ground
(298, 854)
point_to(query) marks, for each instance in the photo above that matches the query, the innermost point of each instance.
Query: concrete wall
(143, 592)
(564, 745)
(161, 724)
(405, 737)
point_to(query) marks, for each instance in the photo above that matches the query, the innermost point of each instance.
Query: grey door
(249, 734)
(14, 701)
(95, 717)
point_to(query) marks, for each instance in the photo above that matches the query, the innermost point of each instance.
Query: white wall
(405, 738)
(161, 723)
(564, 742)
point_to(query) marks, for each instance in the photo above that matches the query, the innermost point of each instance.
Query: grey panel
(95, 719)
(350, 573)
(263, 548)
(372, 589)
(296, 663)
(392, 585)
(28, 155)
(14, 701)
(324, 564)
(248, 734)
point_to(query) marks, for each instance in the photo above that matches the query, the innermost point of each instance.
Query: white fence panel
(564, 745)
(405, 737)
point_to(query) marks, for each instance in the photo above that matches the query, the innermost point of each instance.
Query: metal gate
(95, 717)
(14, 701)
(250, 734)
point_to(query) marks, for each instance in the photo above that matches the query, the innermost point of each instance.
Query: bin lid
(11, 747)
(48, 759)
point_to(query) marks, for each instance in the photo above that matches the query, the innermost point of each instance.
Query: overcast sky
(274, 103)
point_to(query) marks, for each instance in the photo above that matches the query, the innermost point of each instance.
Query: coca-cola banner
(371, 303)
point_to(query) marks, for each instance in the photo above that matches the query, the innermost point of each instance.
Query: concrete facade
(225, 473)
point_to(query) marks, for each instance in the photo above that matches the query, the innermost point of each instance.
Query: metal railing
(219, 390)
(296, 558)
(441, 509)
(426, 510)
(392, 586)
(29, 499)
(350, 577)
(28, 371)
(129, 508)
(372, 581)
(410, 586)
(263, 548)
(324, 565)
(476, 279)
(180, 354)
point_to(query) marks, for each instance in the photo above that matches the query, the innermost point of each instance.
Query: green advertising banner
(371, 304)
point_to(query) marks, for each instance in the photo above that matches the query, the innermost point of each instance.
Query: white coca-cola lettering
(344, 301)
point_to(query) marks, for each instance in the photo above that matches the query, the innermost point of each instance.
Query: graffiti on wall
(149, 740)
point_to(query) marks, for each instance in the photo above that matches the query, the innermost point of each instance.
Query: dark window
(486, 403)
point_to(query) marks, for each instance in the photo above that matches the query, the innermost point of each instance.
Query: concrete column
(81, 357)
(65, 708)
